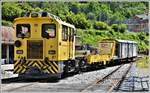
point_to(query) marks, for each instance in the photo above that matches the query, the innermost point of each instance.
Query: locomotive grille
(35, 49)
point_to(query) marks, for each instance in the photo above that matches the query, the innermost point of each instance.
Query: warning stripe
(40, 63)
(31, 63)
(36, 65)
(27, 63)
(16, 64)
(23, 70)
(16, 69)
(54, 68)
(50, 69)
(54, 63)
(47, 71)
(19, 70)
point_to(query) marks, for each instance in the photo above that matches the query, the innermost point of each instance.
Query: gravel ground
(134, 78)
(70, 84)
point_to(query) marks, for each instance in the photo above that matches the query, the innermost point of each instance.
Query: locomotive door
(71, 42)
(64, 44)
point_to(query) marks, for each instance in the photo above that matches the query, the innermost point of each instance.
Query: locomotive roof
(119, 40)
(48, 15)
(125, 41)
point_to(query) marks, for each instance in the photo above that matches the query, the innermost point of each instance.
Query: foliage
(123, 28)
(100, 26)
(92, 37)
(25, 7)
(79, 20)
(10, 11)
(111, 13)
(119, 28)
(95, 21)
(7, 23)
(115, 27)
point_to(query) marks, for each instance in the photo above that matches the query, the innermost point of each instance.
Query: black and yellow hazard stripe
(53, 67)
(50, 67)
(18, 67)
(39, 64)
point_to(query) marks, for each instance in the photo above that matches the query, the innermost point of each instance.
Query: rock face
(7, 34)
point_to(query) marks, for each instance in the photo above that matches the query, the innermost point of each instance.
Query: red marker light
(19, 51)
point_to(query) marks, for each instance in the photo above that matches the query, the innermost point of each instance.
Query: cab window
(71, 34)
(48, 30)
(64, 33)
(23, 30)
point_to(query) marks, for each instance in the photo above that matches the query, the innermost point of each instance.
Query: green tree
(123, 28)
(91, 16)
(115, 27)
(11, 11)
(75, 8)
(25, 7)
(79, 20)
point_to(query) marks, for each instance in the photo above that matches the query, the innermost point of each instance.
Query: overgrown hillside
(92, 37)
(93, 20)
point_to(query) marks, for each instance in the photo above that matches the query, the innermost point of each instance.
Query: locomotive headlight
(17, 43)
(51, 52)
(19, 51)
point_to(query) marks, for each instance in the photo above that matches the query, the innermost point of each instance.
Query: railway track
(114, 82)
(22, 85)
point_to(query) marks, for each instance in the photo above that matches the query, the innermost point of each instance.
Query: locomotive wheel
(82, 65)
(65, 70)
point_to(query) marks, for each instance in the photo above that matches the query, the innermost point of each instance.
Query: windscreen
(48, 30)
(105, 48)
(23, 30)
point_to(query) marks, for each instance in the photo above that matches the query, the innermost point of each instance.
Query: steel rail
(118, 83)
(100, 80)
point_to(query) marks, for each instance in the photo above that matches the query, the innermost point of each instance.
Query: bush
(7, 23)
(123, 28)
(119, 27)
(100, 26)
(112, 32)
(115, 27)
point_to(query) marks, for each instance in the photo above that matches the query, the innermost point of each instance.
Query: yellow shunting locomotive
(44, 44)
(45, 47)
